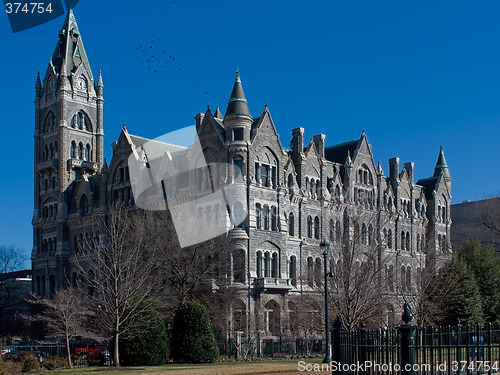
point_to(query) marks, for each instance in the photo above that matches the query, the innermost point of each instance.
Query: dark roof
(429, 184)
(338, 153)
(237, 103)
(441, 166)
(15, 275)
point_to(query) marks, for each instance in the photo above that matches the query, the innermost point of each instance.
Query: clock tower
(68, 145)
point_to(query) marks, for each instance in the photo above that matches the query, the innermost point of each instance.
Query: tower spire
(238, 104)
(441, 166)
(38, 86)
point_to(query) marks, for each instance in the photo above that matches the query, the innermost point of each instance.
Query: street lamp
(325, 246)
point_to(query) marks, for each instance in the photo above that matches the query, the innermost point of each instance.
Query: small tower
(237, 121)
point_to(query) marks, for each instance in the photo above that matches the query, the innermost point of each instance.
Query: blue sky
(414, 75)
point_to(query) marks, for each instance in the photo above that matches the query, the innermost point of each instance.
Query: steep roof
(69, 48)
(237, 102)
(338, 153)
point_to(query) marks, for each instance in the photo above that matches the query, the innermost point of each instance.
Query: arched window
(390, 278)
(389, 239)
(238, 169)
(309, 227)
(317, 272)
(403, 240)
(316, 227)
(338, 232)
(239, 316)
(370, 235)
(238, 215)
(239, 266)
(364, 234)
(356, 232)
(291, 224)
(72, 150)
(87, 152)
(331, 232)
(267, 264)
(80, 151)
(293, 270)
(290, 181)
(274, 219)
(84, 207)
(408, 279)
(265, 216)
(273, 313)
(310, 272)
(258, 216)
(274, 265)
(259, 264)
(408, 245)
(50, 122)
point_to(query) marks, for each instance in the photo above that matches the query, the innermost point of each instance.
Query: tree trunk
(116, 355)
(68, 352)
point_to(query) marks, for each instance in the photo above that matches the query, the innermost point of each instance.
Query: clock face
(81, 83)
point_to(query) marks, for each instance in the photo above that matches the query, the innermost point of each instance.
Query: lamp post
(325, 246)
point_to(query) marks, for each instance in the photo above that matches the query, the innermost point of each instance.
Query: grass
(218, 368)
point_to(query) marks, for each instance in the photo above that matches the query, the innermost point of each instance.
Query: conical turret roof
(238, 104)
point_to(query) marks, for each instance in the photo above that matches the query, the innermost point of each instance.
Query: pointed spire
(379, 169)
(441, 166)
(38, 86)
(99, 80)
(69, 48)
(237, 103)
(218, 114)
(348, 160)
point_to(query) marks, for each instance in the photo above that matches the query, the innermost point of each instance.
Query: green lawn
(218, 368)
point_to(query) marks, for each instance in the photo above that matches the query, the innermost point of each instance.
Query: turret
(238, 120)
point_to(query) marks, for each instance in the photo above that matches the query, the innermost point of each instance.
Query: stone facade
(295, 197)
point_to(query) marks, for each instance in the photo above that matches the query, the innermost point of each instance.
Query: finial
(265, 105)
(407, 315)
(208, 106)
(124, 126)
(441, 148)
(237, 76)
(363, 132)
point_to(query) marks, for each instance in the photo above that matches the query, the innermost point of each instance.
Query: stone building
(296, 196)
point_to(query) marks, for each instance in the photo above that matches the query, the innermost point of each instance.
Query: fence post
(337, 342)
(407, 340)
(363, 345)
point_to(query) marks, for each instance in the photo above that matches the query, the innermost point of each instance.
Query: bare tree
(306, 321)
(11, 259)
(118, 268)
(66, 315)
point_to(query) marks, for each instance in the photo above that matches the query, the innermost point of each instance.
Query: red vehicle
(91, 350)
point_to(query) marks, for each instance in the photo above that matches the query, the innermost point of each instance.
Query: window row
(313, 186)
(335, 232)
(89, 241)
(50, 151)
(441, 214)
(49, 211)
(405, 279)
(265, 175)
(81, 121)
(313, 227)
(268, 264)
(48, 182)
(442, 243)
(265, 217)
(49, 245)
(405, 241)
(123, 196)
(365, 197)
(41, 286)
(364, 177)
(365, 236)
(314, 272)
(80, 152)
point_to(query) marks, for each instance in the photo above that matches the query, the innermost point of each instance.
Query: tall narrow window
(293, 270)
(80, 151)
(291, 224)
(309, 227)
(274, 266)
(274, 219)
(264, 175)
(265, 217)
(259, 264)
(316, 227)
(258, 216)
(238, 170)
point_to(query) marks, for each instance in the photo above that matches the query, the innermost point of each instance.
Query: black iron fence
(459, 349)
